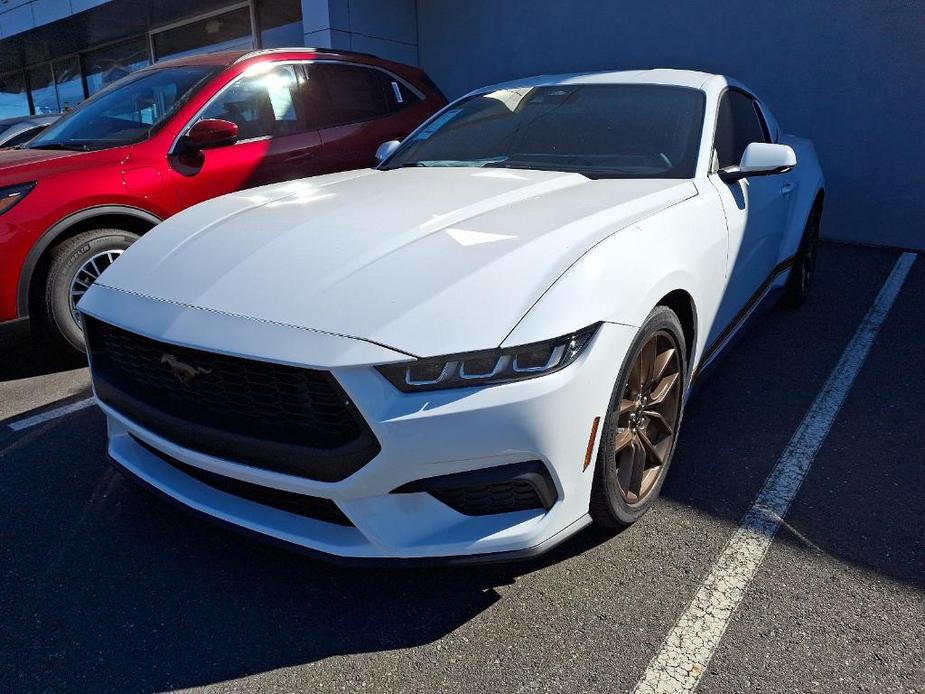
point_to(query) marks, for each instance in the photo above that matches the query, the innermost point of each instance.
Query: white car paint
(352, 270)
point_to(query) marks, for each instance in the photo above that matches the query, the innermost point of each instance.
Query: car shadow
(126, 593)
(27, 357)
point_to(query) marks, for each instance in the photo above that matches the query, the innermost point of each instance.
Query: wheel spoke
(658, 419)
(650, 450)
(622, 439)
(664, 387)
(638, 469)
(647, 359)
(626, 406)
(662, 362)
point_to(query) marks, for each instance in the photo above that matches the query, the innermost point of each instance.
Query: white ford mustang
(474, 350)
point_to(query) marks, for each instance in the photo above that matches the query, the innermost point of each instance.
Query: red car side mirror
(210, 133)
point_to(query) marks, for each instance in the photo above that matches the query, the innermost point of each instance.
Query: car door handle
(301, 156)
(786, 189)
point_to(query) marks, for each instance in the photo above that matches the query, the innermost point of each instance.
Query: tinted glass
(42, 86)
(280, 23)
(68, 83)
(737, 126)
(106, 65)
(125, 113)
(398, 94)
(228, 31)
(263, 105)
(602, 131)
(23, 137)
(339, 94)
(13, 98)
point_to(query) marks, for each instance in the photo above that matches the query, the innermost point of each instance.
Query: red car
(175, 134)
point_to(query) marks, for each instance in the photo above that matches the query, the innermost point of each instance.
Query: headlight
(10, 195)
(490, 366)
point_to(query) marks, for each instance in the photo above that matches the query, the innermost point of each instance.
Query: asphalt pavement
(104, 587)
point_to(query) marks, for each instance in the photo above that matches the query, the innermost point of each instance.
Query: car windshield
(125, 113)
(599, 130)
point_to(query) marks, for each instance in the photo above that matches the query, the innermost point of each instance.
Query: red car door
(357, 108)
(275, 142)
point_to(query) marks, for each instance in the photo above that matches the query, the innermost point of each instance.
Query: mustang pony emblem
(183, 371)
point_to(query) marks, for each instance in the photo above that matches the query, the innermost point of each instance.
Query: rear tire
(75, 265)
(641, 428)
(800, 279)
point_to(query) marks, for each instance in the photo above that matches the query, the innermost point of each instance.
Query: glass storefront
(42, 88)
(219, 32)
(280, 23)
(105, 65)
(14, 101)
(65, 82)
(68, 82)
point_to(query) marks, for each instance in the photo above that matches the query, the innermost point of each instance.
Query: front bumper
(422, 435)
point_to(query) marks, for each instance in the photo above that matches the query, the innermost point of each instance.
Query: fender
(56, 230)
(621, 279)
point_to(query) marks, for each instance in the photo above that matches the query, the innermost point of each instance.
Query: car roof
(667, 76)
(43, 119)
(226, 58)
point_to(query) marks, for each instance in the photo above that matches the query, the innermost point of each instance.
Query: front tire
(640, 431)
(75, 265)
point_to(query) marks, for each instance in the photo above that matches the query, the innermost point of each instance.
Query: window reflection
(13, 98)
(42, 86)
(280, 23)
(106, 65)
(68, 83)
(222, 32)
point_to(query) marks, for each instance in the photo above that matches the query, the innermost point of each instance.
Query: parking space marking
(688, 648)
(51, 414)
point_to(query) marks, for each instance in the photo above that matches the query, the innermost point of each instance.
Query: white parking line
(687, 650)
(50, 414)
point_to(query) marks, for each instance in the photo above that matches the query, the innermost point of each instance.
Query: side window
(400, 96)
(23, 137)
(737, 126)
(337, 94)
(261, 105)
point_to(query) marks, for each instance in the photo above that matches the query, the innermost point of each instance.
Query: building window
(106, 65)
(280, 23)
(42, 88)
(68, 83)
(14, 101)
(226, 31)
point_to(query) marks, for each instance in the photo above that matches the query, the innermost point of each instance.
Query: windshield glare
(599, 130)
(125, 113)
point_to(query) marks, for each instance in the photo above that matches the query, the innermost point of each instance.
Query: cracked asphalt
(105, 588)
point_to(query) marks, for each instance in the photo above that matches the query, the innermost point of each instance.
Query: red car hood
(19, 165)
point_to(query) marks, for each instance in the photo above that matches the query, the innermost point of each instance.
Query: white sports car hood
(427, 261)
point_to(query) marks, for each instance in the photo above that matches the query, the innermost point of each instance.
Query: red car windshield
(125, 113)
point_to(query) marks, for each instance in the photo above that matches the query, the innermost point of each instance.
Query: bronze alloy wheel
(641, 427)
(647, 416)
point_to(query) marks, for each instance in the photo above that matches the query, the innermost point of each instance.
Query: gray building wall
(17, 16)
(387, 28)
(848, 74)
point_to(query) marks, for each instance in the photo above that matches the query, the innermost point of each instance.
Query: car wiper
(71, 146)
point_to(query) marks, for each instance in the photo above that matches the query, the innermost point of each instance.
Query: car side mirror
(386, 149)
(760, 159)
(210, 133)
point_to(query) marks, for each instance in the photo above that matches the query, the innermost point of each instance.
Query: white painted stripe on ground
(51, 414)
(687, 650)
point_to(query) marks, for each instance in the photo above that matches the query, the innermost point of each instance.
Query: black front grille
(299, 504)
(283, 418)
